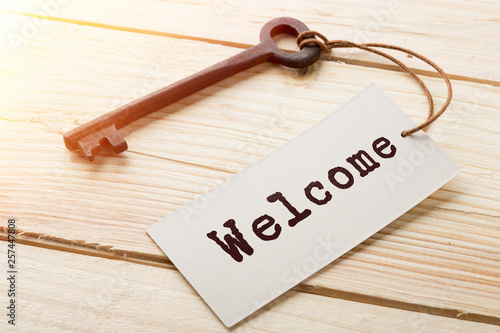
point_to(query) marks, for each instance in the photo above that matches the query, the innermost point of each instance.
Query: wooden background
(86, 263)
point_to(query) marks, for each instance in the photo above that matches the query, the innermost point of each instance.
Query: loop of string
(326, 45)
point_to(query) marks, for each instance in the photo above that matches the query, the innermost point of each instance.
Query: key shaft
(89, 138)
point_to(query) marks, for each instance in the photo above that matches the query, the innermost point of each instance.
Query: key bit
(93, 142)
(90, 138)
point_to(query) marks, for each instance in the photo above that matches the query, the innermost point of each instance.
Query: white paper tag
(295, 211)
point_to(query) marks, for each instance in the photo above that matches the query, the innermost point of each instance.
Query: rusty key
(89, 138)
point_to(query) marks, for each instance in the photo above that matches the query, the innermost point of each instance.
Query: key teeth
(89, 150)
(119, 148)
(114, 139)
(93, 143)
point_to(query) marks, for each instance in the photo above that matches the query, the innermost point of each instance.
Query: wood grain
(462, 35)
(440, 257)
(64, 292)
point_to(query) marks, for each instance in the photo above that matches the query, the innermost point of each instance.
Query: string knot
(307, 37)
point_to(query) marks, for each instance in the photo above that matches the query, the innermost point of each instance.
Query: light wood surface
(66, 292)
(88, 57)
(463, 32)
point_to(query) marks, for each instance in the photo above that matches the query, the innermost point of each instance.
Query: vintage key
(89, 138)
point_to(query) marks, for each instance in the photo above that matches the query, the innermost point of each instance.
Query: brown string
(326, 45)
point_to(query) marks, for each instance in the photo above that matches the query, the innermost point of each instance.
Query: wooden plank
(60, 291)
(461, 36)
(70, 74)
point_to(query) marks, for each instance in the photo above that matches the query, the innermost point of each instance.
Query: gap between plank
(85, 248)
(107, 252)
(349, 61)
(390, 303)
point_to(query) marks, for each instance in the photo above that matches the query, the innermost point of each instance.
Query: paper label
(282, 219)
